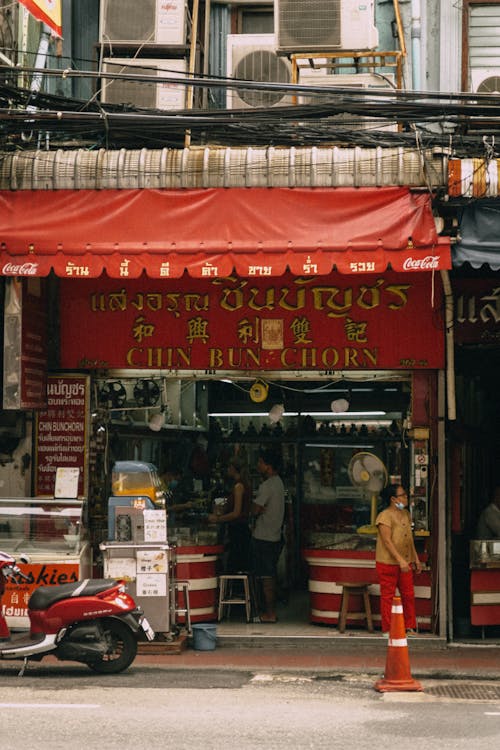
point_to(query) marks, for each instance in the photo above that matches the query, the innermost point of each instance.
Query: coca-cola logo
(421, 264)
(21, 269)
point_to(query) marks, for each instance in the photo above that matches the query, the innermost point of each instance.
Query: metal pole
(192, 65)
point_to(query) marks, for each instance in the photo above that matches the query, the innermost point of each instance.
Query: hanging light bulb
(339, 405)
(276, 413)
(157, 421)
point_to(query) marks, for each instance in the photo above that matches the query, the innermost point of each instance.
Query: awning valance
(214, 232)
(479, 233)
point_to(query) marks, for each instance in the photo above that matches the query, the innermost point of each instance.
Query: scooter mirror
(24, 558)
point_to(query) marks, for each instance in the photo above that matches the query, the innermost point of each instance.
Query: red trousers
(391, 578)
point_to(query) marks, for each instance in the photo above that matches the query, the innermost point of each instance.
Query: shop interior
(341, 439)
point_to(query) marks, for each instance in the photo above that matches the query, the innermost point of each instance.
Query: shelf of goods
(328, 568)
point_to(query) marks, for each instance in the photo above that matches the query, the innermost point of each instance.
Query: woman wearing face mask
(171, 480)
(395, 557)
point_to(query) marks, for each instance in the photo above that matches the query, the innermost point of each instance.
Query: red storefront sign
(477, 311)
(257, 232)
(61, 432)
(289, 323)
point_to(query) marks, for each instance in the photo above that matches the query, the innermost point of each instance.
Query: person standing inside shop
(396, 557)
(236, 516)
(171, 480)
(268, 508)
(488, 526)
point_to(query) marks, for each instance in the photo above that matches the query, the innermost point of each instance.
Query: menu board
(61, 432)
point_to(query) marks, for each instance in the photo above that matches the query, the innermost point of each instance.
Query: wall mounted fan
(367, 471)
(113, 394)
(146, 393)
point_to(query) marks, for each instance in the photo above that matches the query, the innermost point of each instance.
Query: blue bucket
(204, 636)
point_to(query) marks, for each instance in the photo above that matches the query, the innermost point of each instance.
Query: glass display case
(43, 528)
(341, 484)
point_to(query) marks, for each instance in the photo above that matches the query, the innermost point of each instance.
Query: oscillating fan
(367, 471)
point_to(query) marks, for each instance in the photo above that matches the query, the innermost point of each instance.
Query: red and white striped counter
(329, 568)
(485, 596)
(198, 565)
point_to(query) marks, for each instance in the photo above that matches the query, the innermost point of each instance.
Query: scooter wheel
(122, 649)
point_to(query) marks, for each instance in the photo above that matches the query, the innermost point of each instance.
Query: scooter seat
(45, 596)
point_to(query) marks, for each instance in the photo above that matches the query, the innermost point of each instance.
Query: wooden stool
(227, 597)
(347, 590)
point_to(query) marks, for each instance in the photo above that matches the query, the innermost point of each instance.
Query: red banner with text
(385, 321)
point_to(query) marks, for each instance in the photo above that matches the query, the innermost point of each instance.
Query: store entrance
(318, 429)
(339, 441)
(474, 456)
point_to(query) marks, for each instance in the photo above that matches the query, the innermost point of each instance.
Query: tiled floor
(293, 621)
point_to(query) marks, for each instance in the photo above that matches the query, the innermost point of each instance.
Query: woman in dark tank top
(236, 517)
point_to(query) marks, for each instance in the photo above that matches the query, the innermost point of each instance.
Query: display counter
(485, 582)
(198, 564)
(329, 568)
(53, 535)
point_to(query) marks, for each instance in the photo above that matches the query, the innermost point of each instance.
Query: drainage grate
(468, 691)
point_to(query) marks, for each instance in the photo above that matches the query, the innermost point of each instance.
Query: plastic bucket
(204, 636)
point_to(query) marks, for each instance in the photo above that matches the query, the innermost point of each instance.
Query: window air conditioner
(252, 57)
(154, 95)
(485, 80)
(324, 25)
(161, 22)
(365, 81)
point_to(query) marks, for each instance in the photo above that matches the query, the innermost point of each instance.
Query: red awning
(213, 232)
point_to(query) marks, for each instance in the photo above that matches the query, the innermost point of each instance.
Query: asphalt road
(150, 707)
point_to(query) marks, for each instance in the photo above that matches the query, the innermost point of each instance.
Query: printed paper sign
(155, 526)
(121, 567)
(152, 561)
(151, 585)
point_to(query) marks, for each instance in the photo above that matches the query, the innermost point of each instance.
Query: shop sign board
(16, 596)
(334, 322)
(61, 432)
(477, 311)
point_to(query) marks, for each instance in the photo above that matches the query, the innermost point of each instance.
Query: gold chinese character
(198, 329)
(355, 331)
(141, 329)
(300, 328)
(248, 331)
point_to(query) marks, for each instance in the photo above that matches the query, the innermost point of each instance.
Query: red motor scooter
(91, 621)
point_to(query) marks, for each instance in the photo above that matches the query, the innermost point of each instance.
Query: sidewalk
(429, 657)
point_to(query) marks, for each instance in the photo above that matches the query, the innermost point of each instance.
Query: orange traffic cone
(397, 675)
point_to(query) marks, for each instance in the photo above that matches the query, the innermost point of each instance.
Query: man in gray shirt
(269, 510)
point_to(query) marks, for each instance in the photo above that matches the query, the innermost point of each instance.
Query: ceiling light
(339, 405)
(276, 413)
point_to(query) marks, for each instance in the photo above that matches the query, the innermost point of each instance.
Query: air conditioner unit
(154, 95)
(324, 25)
(365, 81)
(252, 57)
(485, 80)
(161, 22)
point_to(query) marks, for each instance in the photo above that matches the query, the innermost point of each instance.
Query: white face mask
(399, 506)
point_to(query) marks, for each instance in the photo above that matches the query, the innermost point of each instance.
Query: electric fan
(146, 393)
(113, 395)
(367, 471)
